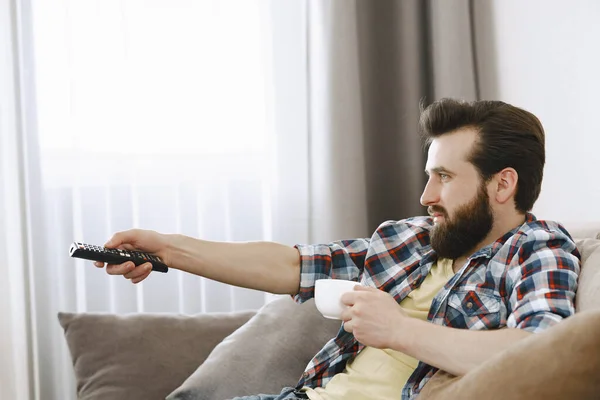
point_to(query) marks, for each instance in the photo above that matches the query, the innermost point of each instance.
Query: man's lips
(437, 217)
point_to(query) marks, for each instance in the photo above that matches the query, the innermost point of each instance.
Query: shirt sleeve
(344, 259)
(542, 280)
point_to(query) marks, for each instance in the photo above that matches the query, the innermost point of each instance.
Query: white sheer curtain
(151, 114)
(15, 335)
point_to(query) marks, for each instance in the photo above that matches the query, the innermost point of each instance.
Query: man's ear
(506, 185)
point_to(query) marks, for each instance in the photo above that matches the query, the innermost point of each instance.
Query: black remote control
(115, 256)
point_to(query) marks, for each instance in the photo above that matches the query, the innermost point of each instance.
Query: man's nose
(430, 194)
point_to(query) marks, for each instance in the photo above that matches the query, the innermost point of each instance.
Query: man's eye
(444, 177)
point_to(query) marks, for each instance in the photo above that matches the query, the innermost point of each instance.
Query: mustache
(436, 209)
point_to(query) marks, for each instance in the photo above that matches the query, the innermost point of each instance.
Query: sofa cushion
(142, 356)
(263, 356)
(588, 291)
(559, 363)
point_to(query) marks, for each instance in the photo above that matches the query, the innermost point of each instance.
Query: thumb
(121, 238)
(365, 288)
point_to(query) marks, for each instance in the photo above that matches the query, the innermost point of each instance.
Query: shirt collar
(494, 247)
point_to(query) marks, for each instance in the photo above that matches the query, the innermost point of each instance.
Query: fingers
(348, 327)
(361, 288)
(141, 277)
(130, 271)
(120, 269)
(346, 314)
(139, 271)
(348, 298)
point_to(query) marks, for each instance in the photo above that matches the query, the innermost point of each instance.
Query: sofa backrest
(587, 239)
(580, 230)
(588, 291)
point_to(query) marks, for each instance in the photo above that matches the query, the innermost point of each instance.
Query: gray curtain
(370, 64)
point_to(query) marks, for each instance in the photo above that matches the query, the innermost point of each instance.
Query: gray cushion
(263, 356)
(143, 356)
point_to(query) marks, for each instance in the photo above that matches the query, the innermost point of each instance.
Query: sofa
(222, 355)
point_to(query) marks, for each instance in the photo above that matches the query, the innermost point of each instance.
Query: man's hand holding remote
(137, 240)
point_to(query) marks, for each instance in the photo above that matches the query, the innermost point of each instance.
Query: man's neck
(498, 230)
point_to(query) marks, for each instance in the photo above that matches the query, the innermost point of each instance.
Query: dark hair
(508, 137)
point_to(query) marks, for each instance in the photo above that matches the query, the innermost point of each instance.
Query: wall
(544, 56)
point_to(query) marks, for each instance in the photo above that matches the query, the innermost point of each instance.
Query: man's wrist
(175, 249)
(409, 335)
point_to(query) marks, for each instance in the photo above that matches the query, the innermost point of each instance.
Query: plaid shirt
(526, 279)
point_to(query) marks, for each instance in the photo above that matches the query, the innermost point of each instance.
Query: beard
(469, 225)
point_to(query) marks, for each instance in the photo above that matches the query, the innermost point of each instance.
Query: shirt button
(469, 305)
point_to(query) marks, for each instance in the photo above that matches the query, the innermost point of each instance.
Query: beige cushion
(559, 363)
(588, 292)
(141, 356)
(267, 354)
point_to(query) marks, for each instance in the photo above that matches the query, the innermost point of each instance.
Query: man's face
(455, 196)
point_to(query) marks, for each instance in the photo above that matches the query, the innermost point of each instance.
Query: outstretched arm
(266, 266)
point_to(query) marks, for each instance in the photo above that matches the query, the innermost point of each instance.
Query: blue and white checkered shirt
(526, 279)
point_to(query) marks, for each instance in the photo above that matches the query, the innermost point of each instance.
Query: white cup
(328, 296)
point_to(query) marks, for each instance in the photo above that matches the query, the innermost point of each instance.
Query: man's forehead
(451, 149)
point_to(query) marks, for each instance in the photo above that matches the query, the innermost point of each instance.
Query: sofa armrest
(141, 356)
(559, 363)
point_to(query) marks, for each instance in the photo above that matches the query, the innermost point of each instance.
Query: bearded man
(435, 291)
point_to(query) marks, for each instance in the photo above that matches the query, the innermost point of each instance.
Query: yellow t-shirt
(382, 373)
